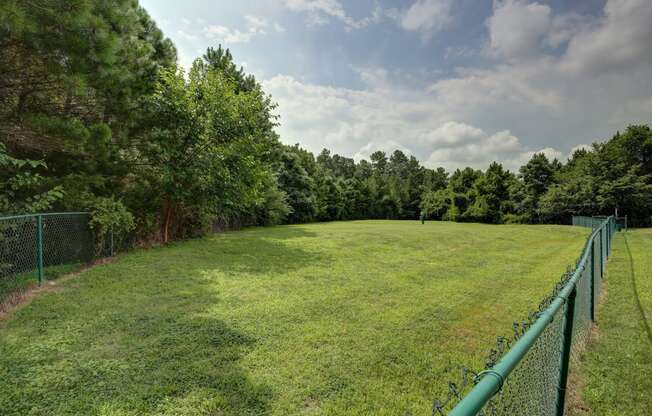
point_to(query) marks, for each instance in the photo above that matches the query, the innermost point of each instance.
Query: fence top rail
(45, 214)
(492, 379)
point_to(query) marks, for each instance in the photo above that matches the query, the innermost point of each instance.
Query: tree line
(95, 114)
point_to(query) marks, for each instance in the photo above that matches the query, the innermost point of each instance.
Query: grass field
(355, 318)
(617, 368)
(24, 281)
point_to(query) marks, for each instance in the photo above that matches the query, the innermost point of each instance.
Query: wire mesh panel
(67, 239)
(582, 313)
(18, 256)
(589, 222)
(34, 248)
(603, 237)
(531, 389)
(597, 268)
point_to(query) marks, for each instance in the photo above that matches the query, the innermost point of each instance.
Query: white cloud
(255, 26)
(522, 29)
(507, 84)
(184, 35)
(427, 16)
(354, 122)
(466, 145)
(330, 7)
(565, 27)
(517, 28)
(388, 147)
(372, 76)
(550, 153)
(320, 10)
(452, 133)
(580, 147)
(618, 42)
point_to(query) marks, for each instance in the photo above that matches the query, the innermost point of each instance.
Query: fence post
(601, 254)
(566, 349)
(593, 300)
(39, 248)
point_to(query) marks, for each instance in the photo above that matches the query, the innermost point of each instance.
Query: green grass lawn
(617, 368)
(24, 281)
(355, 318)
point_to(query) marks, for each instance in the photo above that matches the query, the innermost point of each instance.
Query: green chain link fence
(36, 248)
(526, 373)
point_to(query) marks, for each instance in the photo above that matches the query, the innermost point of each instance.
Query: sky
(453, 82)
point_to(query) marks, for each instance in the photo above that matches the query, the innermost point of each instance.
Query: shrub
(110, 219)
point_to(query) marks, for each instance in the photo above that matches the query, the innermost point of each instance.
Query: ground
(356, 318)
(617, 367)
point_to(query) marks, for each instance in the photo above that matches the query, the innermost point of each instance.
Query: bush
(110, 219)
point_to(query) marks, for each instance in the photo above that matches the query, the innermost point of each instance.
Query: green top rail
(45, 214)
(493, 379)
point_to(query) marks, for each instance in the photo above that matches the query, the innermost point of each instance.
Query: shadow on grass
(263, 251)
(644, 321)
(138, 336)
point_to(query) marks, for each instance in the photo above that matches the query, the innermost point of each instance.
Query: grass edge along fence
(39, 247)
(527, 373)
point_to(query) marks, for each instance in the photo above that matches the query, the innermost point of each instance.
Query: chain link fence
(526, 373)
(36, 248)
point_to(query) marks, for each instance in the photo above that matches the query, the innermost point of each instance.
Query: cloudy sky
(453, 82)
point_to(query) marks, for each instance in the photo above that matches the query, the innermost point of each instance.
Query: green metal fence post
(601, 254)
(39, 248)
(565, 354)
(592, 275)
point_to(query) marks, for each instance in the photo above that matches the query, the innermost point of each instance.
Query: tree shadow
(639, 306)
(151, 357)
(276, 250)
(141, 336)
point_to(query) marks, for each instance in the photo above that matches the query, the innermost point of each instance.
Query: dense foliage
(95, 113)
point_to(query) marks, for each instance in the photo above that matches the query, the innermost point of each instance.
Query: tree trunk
(166, 225)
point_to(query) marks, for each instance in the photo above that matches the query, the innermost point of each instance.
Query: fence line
(38, 247)
(527, 373)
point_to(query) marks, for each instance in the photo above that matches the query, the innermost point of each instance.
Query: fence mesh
(36, 248)
(537, 384)
(18, 256)
(531, 388)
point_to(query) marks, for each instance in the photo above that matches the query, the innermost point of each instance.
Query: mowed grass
(617, 368)
(344, 318)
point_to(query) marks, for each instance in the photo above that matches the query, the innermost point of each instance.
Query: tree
(537, 175)
(435, 205)
(299, 186)
(202, 148)
(492, 194)
(221, 60)
(22, 189)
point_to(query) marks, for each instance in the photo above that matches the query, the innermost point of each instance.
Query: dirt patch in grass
(21, 298)
(575, 404)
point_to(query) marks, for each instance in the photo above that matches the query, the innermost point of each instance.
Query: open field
(617, 368)
(356, 318)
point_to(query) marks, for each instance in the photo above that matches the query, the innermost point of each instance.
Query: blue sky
(454, 83)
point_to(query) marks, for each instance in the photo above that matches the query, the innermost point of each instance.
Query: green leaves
(22, 188)
(203, 149)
